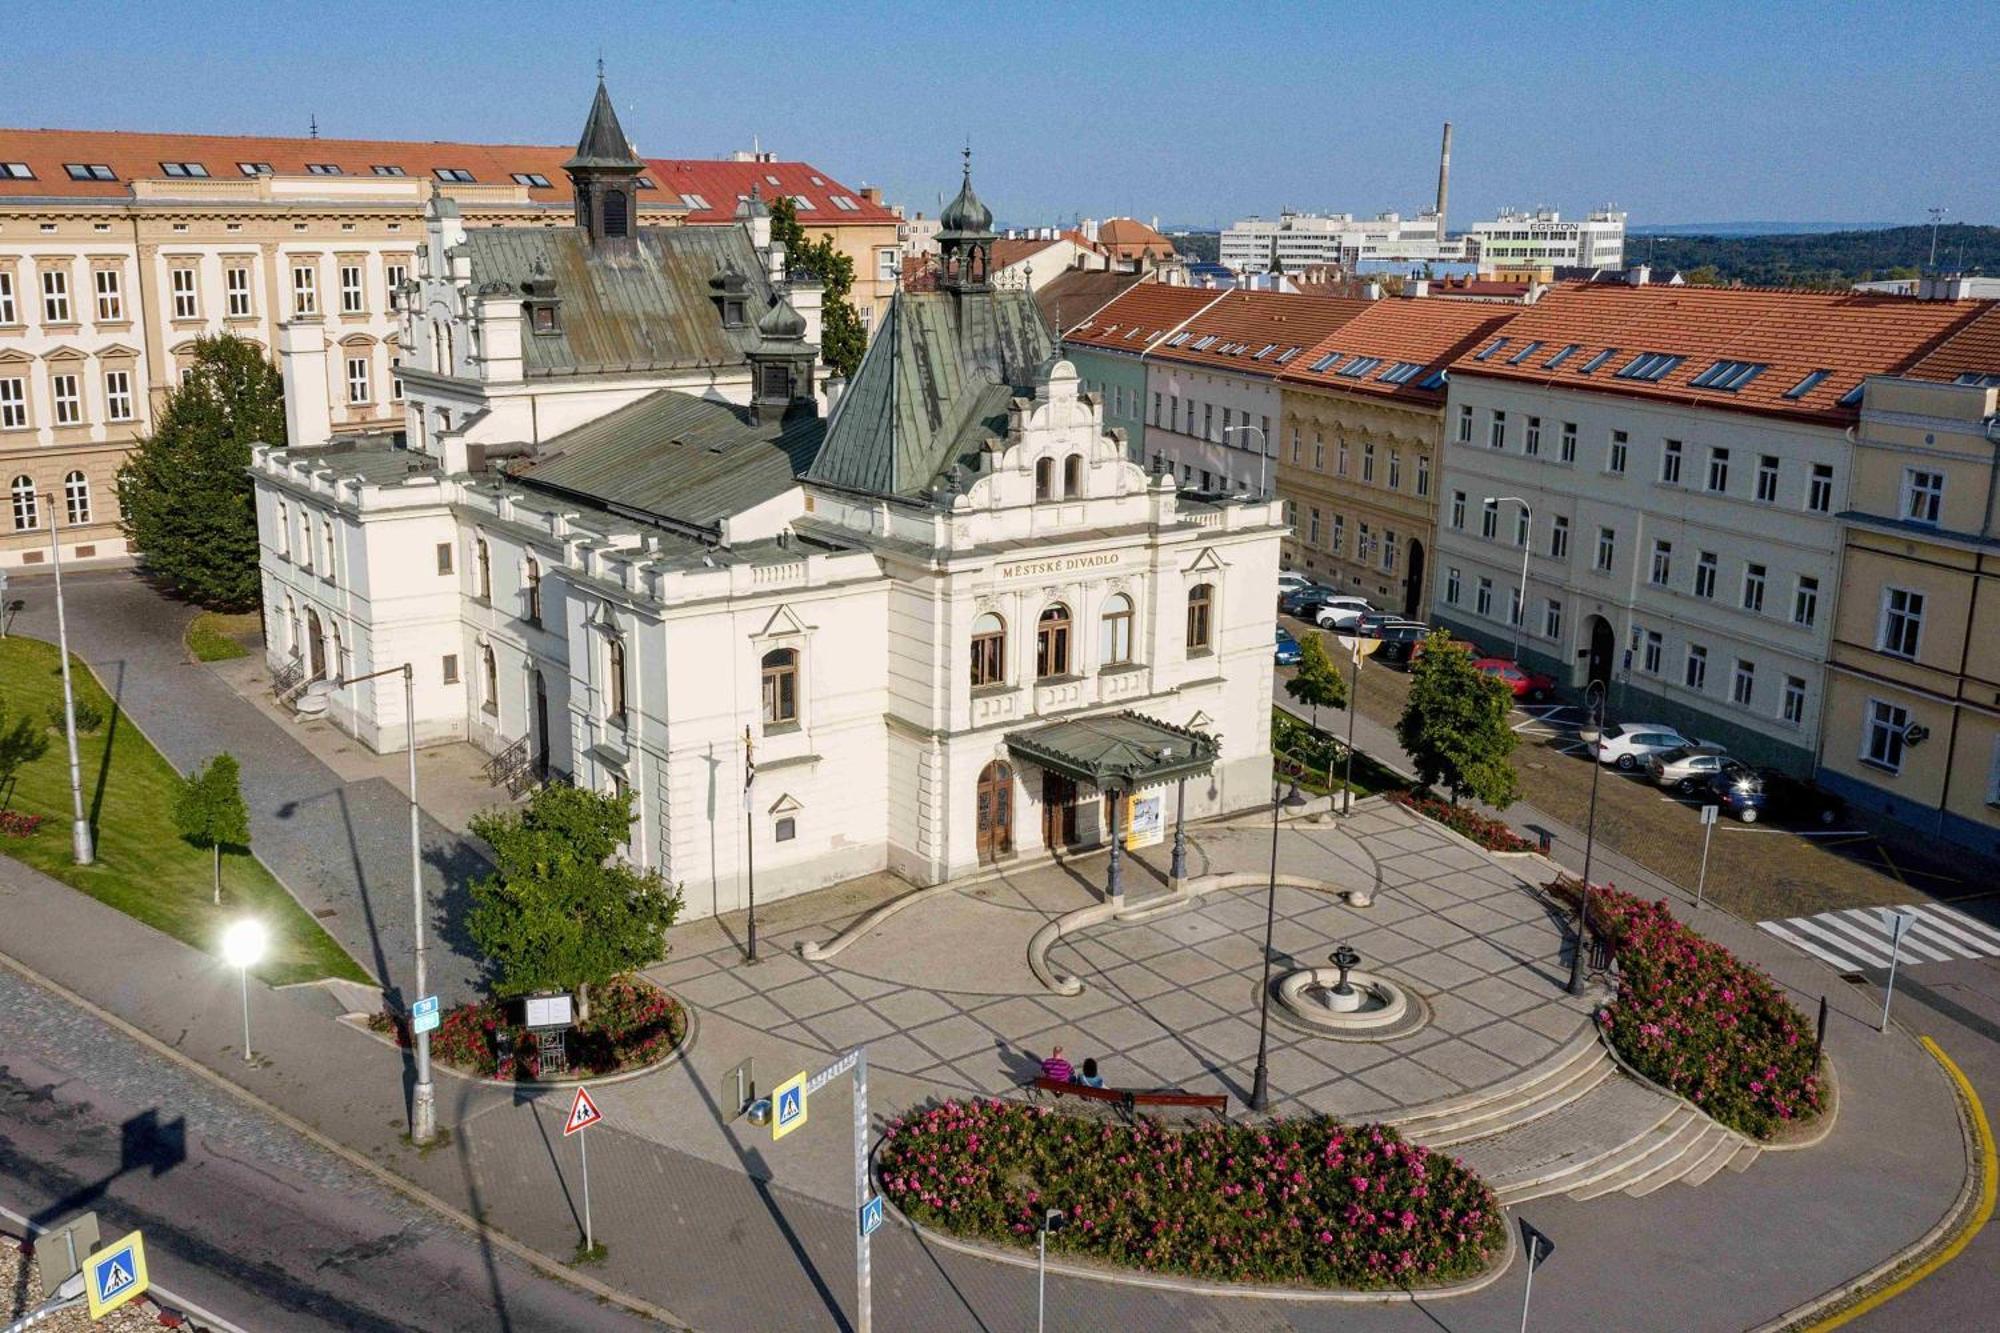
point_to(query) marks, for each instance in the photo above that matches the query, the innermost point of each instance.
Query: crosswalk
(1858, 937)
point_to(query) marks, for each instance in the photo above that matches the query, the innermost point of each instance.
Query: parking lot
(1760, 871)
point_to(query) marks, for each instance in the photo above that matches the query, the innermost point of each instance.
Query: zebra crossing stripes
(1856, 938)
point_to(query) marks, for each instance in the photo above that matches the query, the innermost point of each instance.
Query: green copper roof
(1116, 752)
(603, 143)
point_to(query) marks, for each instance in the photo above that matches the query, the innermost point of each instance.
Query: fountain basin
(1375, 1009)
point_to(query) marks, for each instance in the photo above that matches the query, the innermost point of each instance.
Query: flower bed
(1693, 1017)
(1294, 1201)
(632, 1024)
(20, 824)
(1491, 834)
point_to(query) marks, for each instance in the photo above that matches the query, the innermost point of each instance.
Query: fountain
(1343, 1001)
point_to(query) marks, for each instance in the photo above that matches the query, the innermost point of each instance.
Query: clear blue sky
(1696, 110)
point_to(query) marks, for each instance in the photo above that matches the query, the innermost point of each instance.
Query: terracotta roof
(1129, 238)
(1397, 347)
(721, 185)
(1076, 294)
(1972, 350)
(1258, 333)
(1007, 252)
(1741, 349)
(1140, 317)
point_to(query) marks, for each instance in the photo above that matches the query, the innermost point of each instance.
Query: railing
(512, 768)
(287, 678)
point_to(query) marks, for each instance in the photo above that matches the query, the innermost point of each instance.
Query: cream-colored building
(1912, 727)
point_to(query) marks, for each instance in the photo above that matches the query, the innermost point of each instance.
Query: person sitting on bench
(1056, 1069)
(1090, 1078)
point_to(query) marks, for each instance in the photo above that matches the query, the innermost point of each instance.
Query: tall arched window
(615, 680)
(76, 499)
(489, 680)
(1201, 606)
(781, 686)
(531, 579)
(1073, 475)
(989, 650)
(1045, 478)
(485, 564)
(27, 507)
(1052, 642)
(1114, 640)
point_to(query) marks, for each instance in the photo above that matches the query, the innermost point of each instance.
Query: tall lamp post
(1589, 841)
(423, 1100)
(750, 841)
(1527, 546)
(242, 948)
(1052, 1220)
(1263, 457)
(1260, 1091)
(79, 828)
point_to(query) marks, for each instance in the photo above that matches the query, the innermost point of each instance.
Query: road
(241, 1216)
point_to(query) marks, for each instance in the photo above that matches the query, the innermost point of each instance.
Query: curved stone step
(1547, 1098)
(1577, 1143)
(1651, 1162)
(1462, 1118)
(1683, 1166)
(1725, 1146)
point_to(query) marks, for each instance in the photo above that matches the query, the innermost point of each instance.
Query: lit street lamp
(1260, 1092)
(243, 948)
(1527, 545)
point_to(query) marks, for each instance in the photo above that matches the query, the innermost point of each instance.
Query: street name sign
(115, 1275)
(844, 1065)
(583, 1113)
(788, 1105)
(424, 1014)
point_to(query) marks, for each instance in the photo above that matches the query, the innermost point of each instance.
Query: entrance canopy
(1116, 752)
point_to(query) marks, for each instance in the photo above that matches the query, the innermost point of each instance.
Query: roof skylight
(1320, 363)
(1523, 354)
(1359, 366)
(1400, 373)
(1598, 360)
(1288, 354)
(1807, 385)
(1569, 350)
(1729, 376)
(1648, 366)
(1489, 349)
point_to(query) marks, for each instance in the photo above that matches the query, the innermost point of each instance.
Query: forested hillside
(1826, 259)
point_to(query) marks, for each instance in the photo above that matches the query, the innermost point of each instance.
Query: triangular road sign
(583, 1113)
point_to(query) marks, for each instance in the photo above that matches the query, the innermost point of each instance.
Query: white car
(1290, 582)
(1342, 612)
(1628, 745)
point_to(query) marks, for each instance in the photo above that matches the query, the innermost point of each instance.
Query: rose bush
(1693, 1017)
(632, 1024)
(1491, 834)
(20, 824)
(1293, 1201)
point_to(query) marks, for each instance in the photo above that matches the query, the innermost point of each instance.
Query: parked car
(1686, 767)
(1304, 602)
(1738, 790)
(1628, 745)
(1530, 685)
(1752, 793)
(1288, 581)
(1372, 623)
(1340, 612)
(1401, 642)
(1417, 649)
(1288, 648)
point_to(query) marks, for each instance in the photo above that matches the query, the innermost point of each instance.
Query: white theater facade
(630, 548)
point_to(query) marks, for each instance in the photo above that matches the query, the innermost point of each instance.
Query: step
(1467, 1108)
(1690, 1158)
(1558, 1151)
(1745, 1154)
(1660, 1160)
(1726, 1146)
(1606, 1164)
(1501, 1117)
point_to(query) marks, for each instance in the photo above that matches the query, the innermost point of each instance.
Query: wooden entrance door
(1058, 811)
(996, 812)
(316, 644)
(541, 727)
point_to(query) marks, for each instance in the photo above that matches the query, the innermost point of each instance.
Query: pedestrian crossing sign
(115, 1275)
(788, 1106)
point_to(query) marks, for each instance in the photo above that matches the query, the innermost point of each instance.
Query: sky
(1197, 114)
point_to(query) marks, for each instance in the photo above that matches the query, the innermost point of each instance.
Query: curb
(1823, 1126)
(174, 1314)
(410, 1190)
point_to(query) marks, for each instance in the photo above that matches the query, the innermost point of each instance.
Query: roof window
(803, 204)
(696, 201)
(380, 169)
(1569, 350)
(646, 183)
(1523, 354)
(1359, 366)
(1265, 351)
(184, 168)
(89, 171)
(843, 203)
(1852, 398)
(456, 175)
(330, 169)
(1597, 360)
(1648, 366)
(1402, 372)
(1977, 379)
(532, 179)
(1489, 349)
(1321, 363)
(16, 171)
(769, 179)
(1288, 354)
(1807, 385)
(1437, 379)
(1203, 343)
(1729, 376)
(1178, 339)
(255, 168)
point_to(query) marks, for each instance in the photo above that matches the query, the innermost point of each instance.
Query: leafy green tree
(1455, 724)
(21, 742)
(842, 340)
(561, 913)
(1317, 682)
(209, 811)
(185, 489)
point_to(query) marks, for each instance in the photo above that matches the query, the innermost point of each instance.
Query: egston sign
(1061, 564)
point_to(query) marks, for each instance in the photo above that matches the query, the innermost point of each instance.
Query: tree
(561, 913)
(842, 340)
(209, 811)
(1317, 683)
(1455, 724)
(185, 489)
(21, 743)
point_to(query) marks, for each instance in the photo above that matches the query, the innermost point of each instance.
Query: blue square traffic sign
(115, 1275)
(871, 1215)
(424, 1014)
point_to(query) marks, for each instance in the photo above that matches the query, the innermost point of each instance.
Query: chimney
(1416, 287)
(1444, 178)
(873, 194)
(1374, 291)
(836, 388)
(1638, 275)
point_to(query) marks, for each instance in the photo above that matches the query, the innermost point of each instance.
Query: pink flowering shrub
(1491, 834)
(1293, 1201)
(1693, 1017)
(19, 824)
(632, 1024)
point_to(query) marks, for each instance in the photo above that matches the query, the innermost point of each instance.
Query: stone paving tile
(1464, 1063)
(1237, 910)
(847, 1027)
(1437, 972)
(1141, 942)
(814, 995)
(1430, 898)
(1499, 995)
(1552, 1020)
(953, 1037)
(1295, 1072)
(1120, 1029)
(910, 1008)
(1093, 1000)
(899, 1053)
(1016, 1018)
(1513, 1043)
(1454, 1013)
(862, 988)
(1230, 992)
(1173, 1062)
(1186, 967)
(706, 992)
(1406, 1083)
(757, 1012)
(1135, 982)
(1237, 953)
(1385, 947)
(774, 968)
(1189, 928)
(1182, 1011)
(1388, 909)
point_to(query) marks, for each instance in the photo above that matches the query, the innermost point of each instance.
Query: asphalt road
(241, 1216)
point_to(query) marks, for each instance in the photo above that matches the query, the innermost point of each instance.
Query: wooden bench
(1128, 1098)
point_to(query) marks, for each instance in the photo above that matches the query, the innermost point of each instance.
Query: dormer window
(732, 314)
(542, 317)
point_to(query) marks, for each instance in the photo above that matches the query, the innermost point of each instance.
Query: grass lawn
(143, 868)
(215, 636)
(1292, 738)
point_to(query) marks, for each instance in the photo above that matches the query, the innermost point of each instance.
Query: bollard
(1819, 1037)
(1546, 839)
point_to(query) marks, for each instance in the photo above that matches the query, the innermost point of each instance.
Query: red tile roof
(1408, 340)
(1129, 238)
(1139, 317)
(1973, 350)
(1789, 334)
(1258, 333)
(722, 185)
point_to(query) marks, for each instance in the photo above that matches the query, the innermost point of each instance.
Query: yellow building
(1361, 418)
(1912, 722)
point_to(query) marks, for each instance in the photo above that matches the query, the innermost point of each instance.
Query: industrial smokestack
(1444, 178)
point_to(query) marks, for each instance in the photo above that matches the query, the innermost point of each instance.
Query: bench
(1128, 1098)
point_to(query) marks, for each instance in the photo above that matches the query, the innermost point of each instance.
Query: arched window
(284, 529)
(1201, 606)
(485, 563)
(489, 680)
(617, 216)
(531, 579)
(781, 686)
(615, 680)
(1045, 478)
(1052, 643)
(76, 499)
(1073, 476)
(1114, 640)
(27, 507)
(989, 650)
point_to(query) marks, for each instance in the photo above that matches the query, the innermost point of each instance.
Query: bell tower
(965, 240)
(604, 173)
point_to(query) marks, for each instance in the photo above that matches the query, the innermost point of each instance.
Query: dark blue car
(1288, 648)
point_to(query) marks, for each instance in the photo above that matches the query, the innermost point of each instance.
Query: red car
(1529, 685)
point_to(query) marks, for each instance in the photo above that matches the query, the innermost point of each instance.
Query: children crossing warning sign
(583, 1113)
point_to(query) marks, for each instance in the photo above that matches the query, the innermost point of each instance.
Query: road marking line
(1870, 919)
(1777, 928)
(1970, 946)
(1839, 941)
(1989, 1188)
(1922, 929)
(1839, 929)
(1967, 925)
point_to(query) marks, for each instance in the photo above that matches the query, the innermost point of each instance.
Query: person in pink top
(1056, 1069)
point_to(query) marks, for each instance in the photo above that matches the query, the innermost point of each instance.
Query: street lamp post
(750, 841)
(423, 1099)
(1052, 1220)
(1589, 842)
(1263, 457)
(79, 829)
(1260, 1091)
(1527, 546)
(242, 947)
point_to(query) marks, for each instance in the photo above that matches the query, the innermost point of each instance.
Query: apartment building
(1673, 460)
(1359, 430)
(1912, 717)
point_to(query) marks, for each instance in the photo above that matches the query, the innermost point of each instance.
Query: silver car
(1687, 768)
